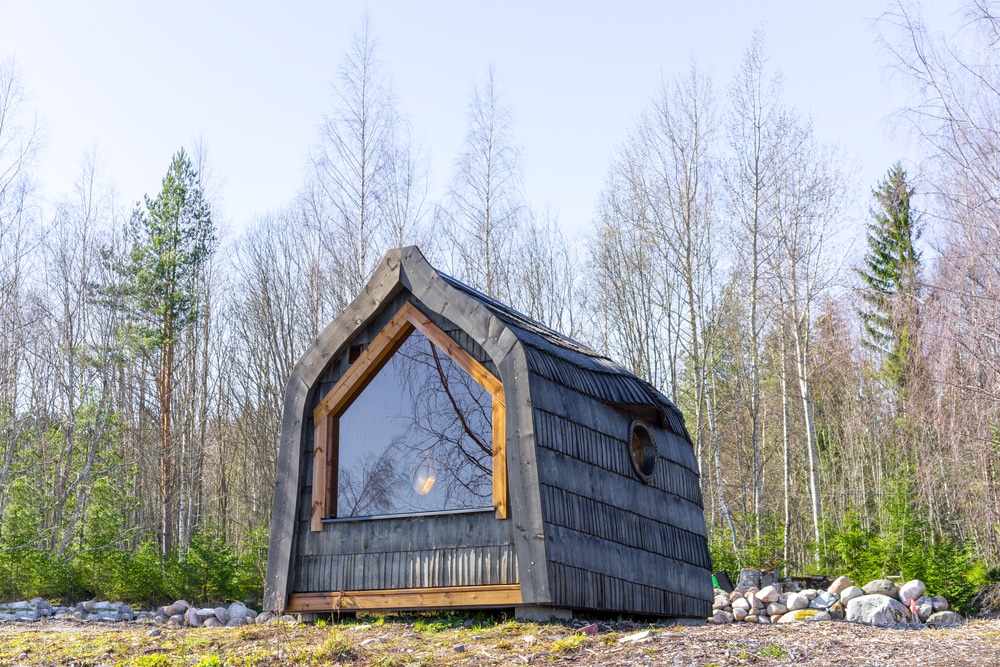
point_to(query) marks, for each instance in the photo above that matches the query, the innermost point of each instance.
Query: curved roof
(562, 360)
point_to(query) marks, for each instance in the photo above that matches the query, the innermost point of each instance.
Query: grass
(773, 651)
(569, 643)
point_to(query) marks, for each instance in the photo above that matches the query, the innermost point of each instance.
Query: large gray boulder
(880, 610)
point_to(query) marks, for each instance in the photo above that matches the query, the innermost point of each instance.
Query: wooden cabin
(441, 450)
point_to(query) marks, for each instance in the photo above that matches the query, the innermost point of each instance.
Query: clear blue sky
(138, 80)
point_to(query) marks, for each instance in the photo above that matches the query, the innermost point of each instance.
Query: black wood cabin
(440, 450)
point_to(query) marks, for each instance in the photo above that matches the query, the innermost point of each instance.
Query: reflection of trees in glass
(370, 487)
(452, 419)
(417, 439)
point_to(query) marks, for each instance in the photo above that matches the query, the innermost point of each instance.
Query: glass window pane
(417, 439)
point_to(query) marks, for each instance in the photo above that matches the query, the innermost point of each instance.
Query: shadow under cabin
(439, 450)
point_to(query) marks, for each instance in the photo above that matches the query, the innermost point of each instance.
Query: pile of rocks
(38, 609)
(880, 602)
(182, 613)
(179, 613)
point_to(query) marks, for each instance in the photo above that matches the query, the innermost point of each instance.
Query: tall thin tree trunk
(786, 450)
(802, 367)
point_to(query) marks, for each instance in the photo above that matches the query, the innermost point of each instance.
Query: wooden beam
(499, 458)
(369, 363)
(321, 440)
(409, 598)
(466, 361)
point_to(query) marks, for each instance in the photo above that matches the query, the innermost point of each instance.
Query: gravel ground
(450, 641)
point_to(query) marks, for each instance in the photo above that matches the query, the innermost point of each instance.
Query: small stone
(735, 595)
(237, 610)
(768, 594)
(529, 639)
(849, 594)
(752, 618)
(810, 593)
(637, 638)
(742, 603)
(838, 585)
(796, 601)
(178, 607)
(776, 608)
(288, 618)
(204, 614)
(823, 600)
(176, 619)
(459, 649)
(764, 620)
(212, 622)
(776, 617)
(265, 617)
(740, 614)
(105, 657)
(911, 590)
(880, 587)
(588, 629)
(222, 614)
(940, 603)
(191, 618)
(251, 614)
(721, 617)
(720, 602)
(161, 619)
(89, 605)
(945, 618)
(155, 632)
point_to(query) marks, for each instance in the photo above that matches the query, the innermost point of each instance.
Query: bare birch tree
(756, 125)
(484, 206)
(367, 187)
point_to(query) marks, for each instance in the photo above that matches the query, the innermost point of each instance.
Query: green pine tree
(891, 280)
(170, 241)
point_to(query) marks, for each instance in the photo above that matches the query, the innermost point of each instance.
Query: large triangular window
(415, 425)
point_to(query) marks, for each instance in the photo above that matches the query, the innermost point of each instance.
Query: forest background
(844, 411)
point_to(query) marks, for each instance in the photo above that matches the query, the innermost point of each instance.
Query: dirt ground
(495, 641)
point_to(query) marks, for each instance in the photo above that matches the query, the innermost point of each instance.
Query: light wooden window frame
(326, 416)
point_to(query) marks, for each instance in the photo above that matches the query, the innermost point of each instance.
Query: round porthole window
(643, 450)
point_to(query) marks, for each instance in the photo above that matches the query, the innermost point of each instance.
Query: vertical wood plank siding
(414, 552)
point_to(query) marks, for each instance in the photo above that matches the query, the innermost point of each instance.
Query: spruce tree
(891, 279)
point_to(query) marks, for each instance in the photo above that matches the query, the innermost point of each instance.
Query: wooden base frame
(410, 598)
